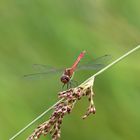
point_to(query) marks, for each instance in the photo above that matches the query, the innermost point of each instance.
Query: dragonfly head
(65, 79)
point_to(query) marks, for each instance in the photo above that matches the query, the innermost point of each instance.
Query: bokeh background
(55, 32)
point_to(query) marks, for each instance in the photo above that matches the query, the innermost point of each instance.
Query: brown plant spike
(70, 96)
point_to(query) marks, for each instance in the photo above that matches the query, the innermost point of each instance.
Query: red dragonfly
(68, 73)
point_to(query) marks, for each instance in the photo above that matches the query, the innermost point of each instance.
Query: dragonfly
(68, 73)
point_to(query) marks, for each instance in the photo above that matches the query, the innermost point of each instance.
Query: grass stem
(40, 116)
(91, 78)
(113, 63)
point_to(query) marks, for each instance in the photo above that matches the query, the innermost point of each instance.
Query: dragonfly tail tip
(84, 51)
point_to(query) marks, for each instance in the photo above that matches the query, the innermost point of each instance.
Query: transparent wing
(42, 71)
(96, 64)
(43, 67)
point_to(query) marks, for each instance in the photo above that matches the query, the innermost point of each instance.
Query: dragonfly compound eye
(65, 79)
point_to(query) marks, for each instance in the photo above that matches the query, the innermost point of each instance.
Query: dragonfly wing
(42, 71)
(95, 64)
(91, 67)
(43, 68)
(39, 74)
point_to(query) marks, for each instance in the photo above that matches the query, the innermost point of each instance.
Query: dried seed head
(70, 96)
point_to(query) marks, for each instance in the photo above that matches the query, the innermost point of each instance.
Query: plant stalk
(89, 79)
(112, 64)
(40, 116)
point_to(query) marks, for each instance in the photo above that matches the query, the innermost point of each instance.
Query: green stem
(111, 64)
(41, 115)
(91, 78)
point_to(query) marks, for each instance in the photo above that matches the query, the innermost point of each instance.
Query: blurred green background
(55, 32)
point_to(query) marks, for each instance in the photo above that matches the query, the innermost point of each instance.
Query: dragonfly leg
(74, 83)
(68, 85)
(63, 86)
